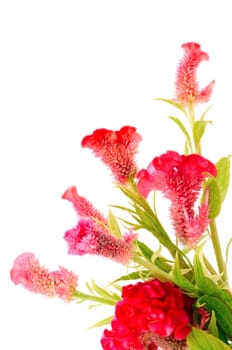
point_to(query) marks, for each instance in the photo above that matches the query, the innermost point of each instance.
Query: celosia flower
(151, 307)
(179, 178)
(187, 89)
(83, 207)
(92, 234)
(28, 272)
(88, 238)
(116, 149)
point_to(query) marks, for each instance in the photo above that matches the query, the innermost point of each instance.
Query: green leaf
(145, 250)
(181, 281)
(212, 327)
(101, 323)
(222, 312)
(200, 340)
(223, 176)
(135, 275)
(205, 112)
(199, 129)
(173, 103)
(185, 132)
(205, 284)
(215, 201)
(113, 224)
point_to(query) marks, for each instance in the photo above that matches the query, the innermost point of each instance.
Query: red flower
(116, 149)
(27, 271)
(179, 178)
(150, 307)
(187, 89)
(87, 238)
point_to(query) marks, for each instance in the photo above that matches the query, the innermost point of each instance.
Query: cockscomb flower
(151, 307)
(89, 238)
(117, 150)
(28, 272)
(179, 178)
(186, 85)
(83, 207)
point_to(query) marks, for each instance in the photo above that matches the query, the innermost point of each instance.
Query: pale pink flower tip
(187, 88)
(83, 207)
(28, 272)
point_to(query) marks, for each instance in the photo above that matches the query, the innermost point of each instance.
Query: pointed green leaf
(205, 284)
(200, 340)
(222, 312)
(101, 323)
(215, 201)
(223, 176)
(213, 325)
(185, 132)
(199, 129)
(135, 275)
(173, 103)
(181, 281)
(114, 226)
(205, 112)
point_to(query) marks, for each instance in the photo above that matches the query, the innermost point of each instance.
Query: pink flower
(150, 307)
(92, 234)
(88, 238)
(116, 149)
(28, 272)
(179, 178)
(83, 207)
(187, 89)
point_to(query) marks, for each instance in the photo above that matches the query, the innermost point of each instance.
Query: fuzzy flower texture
(159, 311)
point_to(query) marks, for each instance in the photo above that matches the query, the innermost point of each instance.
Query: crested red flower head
(150, 307)
(28, 272)
(179, 178)
(117, 150)
(187, 88)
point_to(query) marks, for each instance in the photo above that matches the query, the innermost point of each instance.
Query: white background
(67, 68)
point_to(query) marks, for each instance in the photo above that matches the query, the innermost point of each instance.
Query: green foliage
(189, 147)
(223, 176)
(113, 224)
(199, 127)
(215, 202)
(200, 340)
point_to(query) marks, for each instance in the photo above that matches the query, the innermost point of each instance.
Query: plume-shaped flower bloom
(117, 150)
(179, 178)
(92, 234)
(83, 207)
(187, 88)
(150, 307)
(28, 272)
(88, 238)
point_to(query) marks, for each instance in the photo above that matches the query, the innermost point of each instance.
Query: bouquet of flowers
(174, 296)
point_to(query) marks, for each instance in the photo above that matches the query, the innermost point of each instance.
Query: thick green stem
(218, 251)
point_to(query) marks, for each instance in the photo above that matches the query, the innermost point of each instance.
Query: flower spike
(179, 178)
(28, 272)
(187, 88)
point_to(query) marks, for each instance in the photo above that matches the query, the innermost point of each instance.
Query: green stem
(218, 251)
